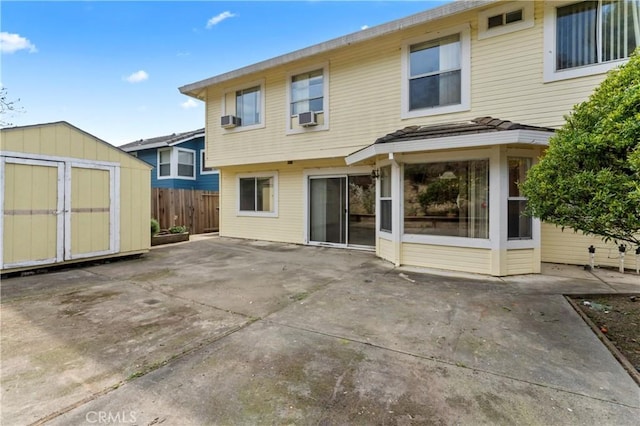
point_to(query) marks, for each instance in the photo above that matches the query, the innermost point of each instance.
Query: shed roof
(161, 141)
(446, 10)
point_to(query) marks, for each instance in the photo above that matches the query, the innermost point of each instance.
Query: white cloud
(137, 77)
(10, 43)
(364, 27)
(219, 18)
(188, 104)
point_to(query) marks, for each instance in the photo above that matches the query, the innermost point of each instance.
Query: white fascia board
(524, 137)
(444, 11)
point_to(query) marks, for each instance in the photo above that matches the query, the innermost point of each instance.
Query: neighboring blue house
(178, 161)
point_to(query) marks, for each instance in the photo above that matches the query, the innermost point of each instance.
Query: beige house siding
(572, 247)
(365, 95)
(386, 249)
(522, 261)
(463, 259)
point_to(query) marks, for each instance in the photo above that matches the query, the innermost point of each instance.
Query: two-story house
(178, 161)
(410, 138)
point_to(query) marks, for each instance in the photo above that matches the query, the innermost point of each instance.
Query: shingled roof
(161, 141)
(477, 125)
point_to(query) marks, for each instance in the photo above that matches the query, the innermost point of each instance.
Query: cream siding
(386, 249)
(61, 144)
(365, 95)
(522, 261)
(463, 259)
(573, 248)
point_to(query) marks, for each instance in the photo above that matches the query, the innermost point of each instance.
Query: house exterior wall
(63, 144)
(365, 98)
(205, 182)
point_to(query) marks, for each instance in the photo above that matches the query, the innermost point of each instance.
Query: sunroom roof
(482, 131)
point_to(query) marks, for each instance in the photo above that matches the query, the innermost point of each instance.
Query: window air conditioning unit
(229, 121)
(307, 119)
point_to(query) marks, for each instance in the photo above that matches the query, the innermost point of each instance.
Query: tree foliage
(589, 178)
(6, 106)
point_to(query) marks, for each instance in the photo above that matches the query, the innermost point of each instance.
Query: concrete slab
(223, 331)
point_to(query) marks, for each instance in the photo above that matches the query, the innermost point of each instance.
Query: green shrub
(155, 227)
(177, 229)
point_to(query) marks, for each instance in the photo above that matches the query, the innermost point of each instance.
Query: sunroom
(448, 196)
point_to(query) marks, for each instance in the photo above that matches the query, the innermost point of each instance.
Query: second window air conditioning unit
(307, 119)
(229, 121)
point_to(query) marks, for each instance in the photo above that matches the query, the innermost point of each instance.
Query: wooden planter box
(160, 239)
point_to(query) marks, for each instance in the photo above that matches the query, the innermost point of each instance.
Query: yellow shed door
(91, 222)
(32, 212)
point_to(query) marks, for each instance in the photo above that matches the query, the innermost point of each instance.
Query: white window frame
(381, 198)
(203, 154)
(290, 129)
(173, 163)
(177, 163)
(465, 73)
(519, 197)
(170, 176)
(550, 74)
(485, 32)
(232, 111)
(271, 174)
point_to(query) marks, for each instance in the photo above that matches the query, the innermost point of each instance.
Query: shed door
(32, 212)
(91, 224)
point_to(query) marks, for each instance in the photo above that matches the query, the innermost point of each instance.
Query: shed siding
(365, 95)
(89, 193)
(445, 257)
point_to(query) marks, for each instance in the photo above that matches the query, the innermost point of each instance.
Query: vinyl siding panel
(365, 94)
(289, 225)
(571, 247)
(386, 249)
(444, 257)
(521, 262)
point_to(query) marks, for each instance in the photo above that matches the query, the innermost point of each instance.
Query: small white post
(592, 257)
(638, 260)
(622, 249)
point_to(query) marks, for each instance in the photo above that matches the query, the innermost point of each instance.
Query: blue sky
(113, 68)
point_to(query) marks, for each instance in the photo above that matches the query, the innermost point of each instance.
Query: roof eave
(196, 89)
(524, 137)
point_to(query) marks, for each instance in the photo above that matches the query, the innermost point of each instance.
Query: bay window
(385, 199)
(519, 225)
(449, 198)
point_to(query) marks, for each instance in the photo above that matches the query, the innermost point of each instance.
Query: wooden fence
(197, 210)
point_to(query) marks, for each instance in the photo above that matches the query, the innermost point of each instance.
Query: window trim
(248, 213)
(290, 129)
(382, 198)
(232, 111)
(215, 171)
(177, 163)
(158, 164)
(550, 73)
(485, 32)
(465, 73)
(517, 198)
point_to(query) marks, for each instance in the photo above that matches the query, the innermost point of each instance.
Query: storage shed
(68, 196)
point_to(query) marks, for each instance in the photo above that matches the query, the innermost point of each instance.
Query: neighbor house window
(203, 169)
(307, 92)
(590, 36)
(436, 74)
(519, 225)
(248, 105)
(164, 163)
(186, 163)
(385, 199)
(448, 198)
(257, 195)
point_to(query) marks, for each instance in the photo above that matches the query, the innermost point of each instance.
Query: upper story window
(589, 37)
(248, 106)
(203, 169)
(308, 99)
(505, 18)
(307, 92)
(176, 163)
(437, 74)
(243, 107)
